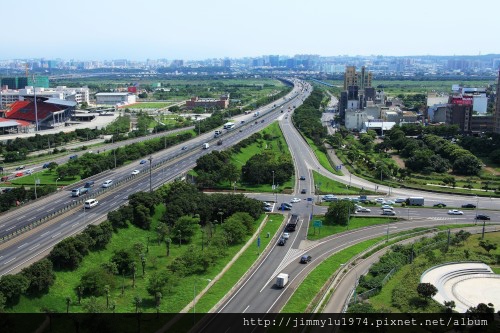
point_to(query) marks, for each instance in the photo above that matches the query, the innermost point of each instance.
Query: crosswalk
(445, 218)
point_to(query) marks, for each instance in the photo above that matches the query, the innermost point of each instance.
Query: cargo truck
(79, 191)
(415, 201)
(281, 280)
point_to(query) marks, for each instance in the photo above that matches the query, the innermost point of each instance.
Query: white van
(389, 212)
(107, 183)
(90, 203)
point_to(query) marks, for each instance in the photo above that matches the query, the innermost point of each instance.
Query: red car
(19, 174)
(5, 178)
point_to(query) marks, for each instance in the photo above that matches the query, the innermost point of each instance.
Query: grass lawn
(277, 144)
(149, 105)
(354, 223)
(323, 158)
(178, 294)
(46, 178)
(327, 185)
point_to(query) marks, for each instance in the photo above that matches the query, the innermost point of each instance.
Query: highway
(166, 166)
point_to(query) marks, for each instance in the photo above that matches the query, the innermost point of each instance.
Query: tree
(40, 276)
(68, 253)
(12, 286)
(137, 303)
(123, 259)
(468, 165)
(426, 290)
(107, 289)
(234, 230)
(338, 212)
(449, 306)
(487, 245)
(117, 219)
(94, 281)
(157, 283)
(68, 302)
(188, 226)
(93, 306)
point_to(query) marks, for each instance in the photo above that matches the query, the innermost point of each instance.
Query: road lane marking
(48, 232)
(246, 309)
(34, 247)
(11, 227)
(5, 263)
(74, 225)
(20, 246)
(56, 235)
(21, 217)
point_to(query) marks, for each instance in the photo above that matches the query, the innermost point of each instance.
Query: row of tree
(307, 118)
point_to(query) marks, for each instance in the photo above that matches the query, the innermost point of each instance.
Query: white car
(390, 202)
(363, 210)
(380, 200)
(387, 207)
(294, 200)
(286, 235)
(135, 172)
(455, 212)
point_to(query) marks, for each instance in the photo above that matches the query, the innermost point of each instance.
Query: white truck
(281, 280)
(206, 145)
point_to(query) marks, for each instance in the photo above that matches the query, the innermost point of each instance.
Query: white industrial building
(78, 95)
(115, 98)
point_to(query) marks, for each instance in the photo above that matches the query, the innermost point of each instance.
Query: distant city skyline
(197, 30)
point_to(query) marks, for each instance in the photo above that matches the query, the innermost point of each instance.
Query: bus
(228, 126)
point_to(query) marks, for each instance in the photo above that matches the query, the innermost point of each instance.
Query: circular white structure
(465, 283)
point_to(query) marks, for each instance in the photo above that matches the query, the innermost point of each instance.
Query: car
(267, 204)
(20, 167)
(390, 202)
(302, 178)
(143, 162)
(455, 212)
(286, 235)
(89, 184)
(363, 210)
(400, 200)
(287, 204)
(440, 205)
(380, 200)
(184, 148)
(242, 122)
(90, 203)
(469, 206)
(107, 183)
(135, 172)
(303, 191)
(268, 208)
(28, 171)
(19, 174)
(294, 200)
(5, 178)
(72, 157)
(305, 259)
(285, 207)
(387, 207)
(262, 121)
(282, 241)
(388, 212)
(46, 165)
(482, 217)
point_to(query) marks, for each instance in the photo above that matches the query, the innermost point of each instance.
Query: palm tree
(137, 303)
(68, 302)
(106, 291)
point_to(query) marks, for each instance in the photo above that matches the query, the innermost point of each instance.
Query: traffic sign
(317, 224)
(258, 241)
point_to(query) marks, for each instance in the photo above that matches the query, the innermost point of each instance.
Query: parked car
(294, 200)
(268, 208)
(482, 217)
(305, 259)
(287, 204)
(440, 205)
(135, 172)
(455, 212)
(143, 162)
(469, 206)
(380, 200)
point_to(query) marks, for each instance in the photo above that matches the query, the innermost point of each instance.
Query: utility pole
(150, 183)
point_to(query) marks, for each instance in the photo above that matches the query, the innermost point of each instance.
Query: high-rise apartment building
(361, 79)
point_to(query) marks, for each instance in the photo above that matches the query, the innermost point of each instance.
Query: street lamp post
(180, 237)
(56, 184)
(150, 184)
(273, 184)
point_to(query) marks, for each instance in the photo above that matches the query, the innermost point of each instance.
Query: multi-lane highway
(165, 166)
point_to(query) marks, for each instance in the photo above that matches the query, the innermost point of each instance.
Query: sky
(202, 29)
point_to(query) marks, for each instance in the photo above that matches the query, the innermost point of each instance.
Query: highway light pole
(56, 184)
(150, 183)
(274, 188)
